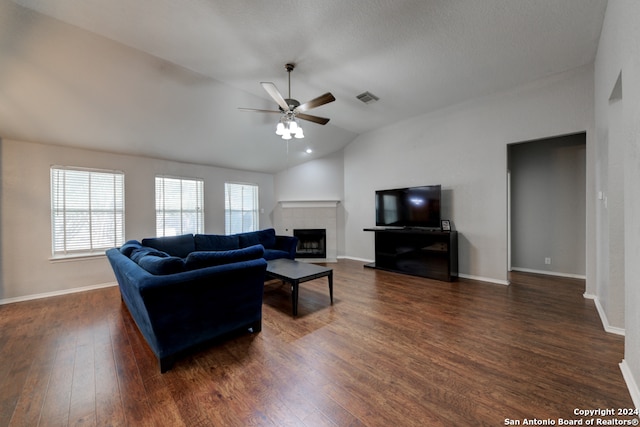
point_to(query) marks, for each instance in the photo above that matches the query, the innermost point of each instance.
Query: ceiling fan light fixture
(288, 127)
(291, 109)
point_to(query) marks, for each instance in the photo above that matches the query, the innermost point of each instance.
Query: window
(87, 210)
(179, 206)
(240, 208)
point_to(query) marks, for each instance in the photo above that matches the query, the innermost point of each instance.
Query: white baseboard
(549, 273)
(356, 259)
(320, 260)
(56, 293)
(632, 386)
(603, 316)
(484, 279)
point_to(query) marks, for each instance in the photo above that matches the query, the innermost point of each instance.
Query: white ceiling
(165, 78)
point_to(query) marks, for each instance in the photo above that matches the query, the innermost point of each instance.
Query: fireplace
(311, 243)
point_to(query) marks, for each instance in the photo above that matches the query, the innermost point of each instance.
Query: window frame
(199, 211)
(117, 210)
(228, 226)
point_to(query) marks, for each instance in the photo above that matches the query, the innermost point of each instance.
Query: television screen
(409, 207)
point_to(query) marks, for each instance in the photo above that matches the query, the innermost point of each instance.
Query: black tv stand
(419, 252)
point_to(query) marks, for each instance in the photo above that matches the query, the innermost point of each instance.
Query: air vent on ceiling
(367, 97)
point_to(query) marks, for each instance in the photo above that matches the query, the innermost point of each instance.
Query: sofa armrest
(287, 244)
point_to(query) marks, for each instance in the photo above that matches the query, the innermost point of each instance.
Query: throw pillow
(137, 254)
(129, 247)
(162, 265)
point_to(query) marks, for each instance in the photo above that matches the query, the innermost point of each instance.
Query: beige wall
(25, 240)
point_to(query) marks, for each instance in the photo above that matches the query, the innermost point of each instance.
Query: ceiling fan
(291, 109)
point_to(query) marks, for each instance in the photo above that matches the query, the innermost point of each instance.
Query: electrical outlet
(547, 261)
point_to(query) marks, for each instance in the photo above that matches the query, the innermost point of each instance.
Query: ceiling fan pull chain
(286, 165)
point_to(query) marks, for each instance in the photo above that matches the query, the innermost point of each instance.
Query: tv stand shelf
(426, 253)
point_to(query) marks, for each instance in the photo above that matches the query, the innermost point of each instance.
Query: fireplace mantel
(309, 203)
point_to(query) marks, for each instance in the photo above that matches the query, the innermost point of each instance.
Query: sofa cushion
(266, 238)
(202, 259)
(179, 246)
(160, 265)
(129, 247)
(248, 239)
(216, 242)
(270, 254)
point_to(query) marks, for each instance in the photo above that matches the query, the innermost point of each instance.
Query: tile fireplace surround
(311, 215)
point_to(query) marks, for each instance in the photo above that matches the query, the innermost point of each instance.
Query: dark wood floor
(393, 350)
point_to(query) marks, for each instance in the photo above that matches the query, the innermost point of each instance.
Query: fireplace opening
(311, 243)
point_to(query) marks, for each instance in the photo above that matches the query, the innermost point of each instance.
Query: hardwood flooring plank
(55, 409)
(136, 406)
(29, 406)
(109, 408)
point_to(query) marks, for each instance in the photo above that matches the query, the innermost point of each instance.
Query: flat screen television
(409, 207)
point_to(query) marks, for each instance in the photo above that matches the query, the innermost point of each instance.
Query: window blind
(87, 210)
(240, 208)
(179, 206)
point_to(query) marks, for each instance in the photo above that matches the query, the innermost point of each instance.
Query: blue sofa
(185, 291)
(181, 246)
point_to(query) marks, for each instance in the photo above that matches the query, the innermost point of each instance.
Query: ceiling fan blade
(314, 119)
(275, 94)
(316, 102)
(257, 110)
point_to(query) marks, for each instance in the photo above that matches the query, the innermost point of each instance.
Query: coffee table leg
(294, 297)
(331, 286)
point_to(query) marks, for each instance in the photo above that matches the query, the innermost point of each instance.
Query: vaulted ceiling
(165, 79)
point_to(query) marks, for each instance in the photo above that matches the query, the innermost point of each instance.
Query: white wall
(321, 179)
(25, 239)
(464, 148)
(617, 120)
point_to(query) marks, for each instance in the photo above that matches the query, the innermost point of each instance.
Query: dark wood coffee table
(294, 273)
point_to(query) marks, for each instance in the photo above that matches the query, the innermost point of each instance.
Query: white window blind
(240, 208)
(87, 210)
(179, 206)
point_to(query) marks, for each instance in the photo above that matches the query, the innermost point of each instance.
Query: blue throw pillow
(137, 254)
(179, 246)
(129, 247)
(202, 259)
(159, 265)
(216, 242)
